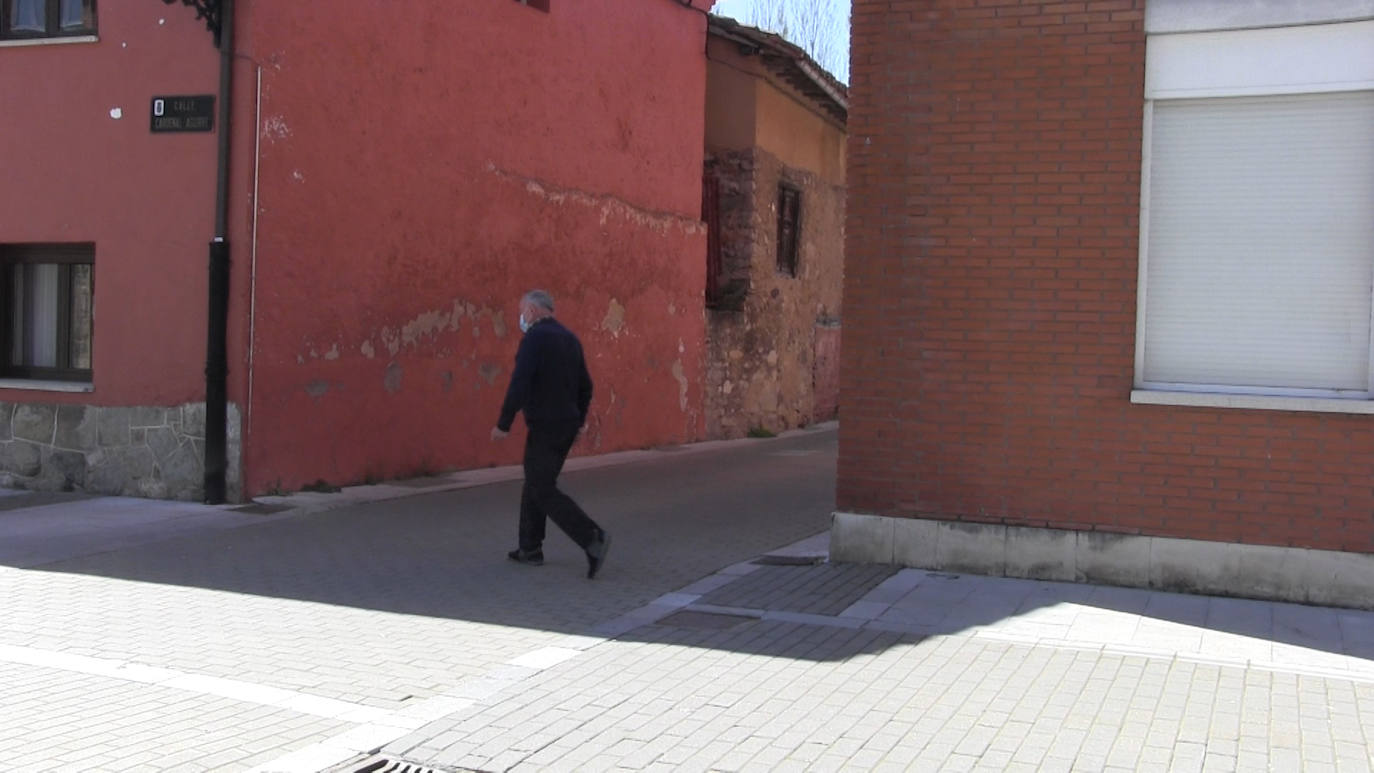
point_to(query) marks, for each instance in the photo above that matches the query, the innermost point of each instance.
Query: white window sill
(48, 41)
(45, 386)
(1254, 402)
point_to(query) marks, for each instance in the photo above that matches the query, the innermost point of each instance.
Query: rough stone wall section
(761, 371)
(155, 452)
(735, 171)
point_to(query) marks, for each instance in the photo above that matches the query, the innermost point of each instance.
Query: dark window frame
(64, 256)
(53, 9)
(715, 261)
(538, 5)
(789, 227)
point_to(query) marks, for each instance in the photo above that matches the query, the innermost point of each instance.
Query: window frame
(53, 10)
(715, 259)
(788, 246)
(1178, 79)
(64, 256)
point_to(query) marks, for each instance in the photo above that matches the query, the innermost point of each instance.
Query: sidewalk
(339, 634)
(769, 666)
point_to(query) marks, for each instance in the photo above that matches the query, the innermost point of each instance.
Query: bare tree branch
(819, 27)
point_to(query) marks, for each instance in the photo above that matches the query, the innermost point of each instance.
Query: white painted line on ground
(311, 759)
(389, 727)
(545, 658)
(246, 692)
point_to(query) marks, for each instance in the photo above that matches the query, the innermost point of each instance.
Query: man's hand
(497, 433)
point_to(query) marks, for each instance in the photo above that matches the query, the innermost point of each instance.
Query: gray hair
(538, 298)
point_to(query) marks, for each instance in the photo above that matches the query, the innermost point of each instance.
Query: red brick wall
(990, 295)
(826, 372)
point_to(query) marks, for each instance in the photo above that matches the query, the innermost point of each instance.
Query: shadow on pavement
(676, 520)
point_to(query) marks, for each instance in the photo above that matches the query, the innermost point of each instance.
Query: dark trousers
(546, 448)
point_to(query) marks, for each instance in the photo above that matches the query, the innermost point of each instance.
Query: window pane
(1260, 236)
(81, 317)
(41, 322)
(75, 14)
(28, 16)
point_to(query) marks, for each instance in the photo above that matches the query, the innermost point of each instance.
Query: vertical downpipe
(217, 326)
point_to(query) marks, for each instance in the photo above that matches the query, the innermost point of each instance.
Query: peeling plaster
(614, 321)
(608, 206)
(428, 325)
(333, 353)
(489, 372)
(681, 384)
(367, 350)
(274, 128)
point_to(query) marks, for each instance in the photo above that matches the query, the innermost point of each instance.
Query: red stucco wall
(990, 299)
(418, 170)
(71, 172)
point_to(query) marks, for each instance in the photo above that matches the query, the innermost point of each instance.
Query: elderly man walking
(551, 386)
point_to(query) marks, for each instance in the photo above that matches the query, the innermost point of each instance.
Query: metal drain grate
(823, 589)
(390, 765)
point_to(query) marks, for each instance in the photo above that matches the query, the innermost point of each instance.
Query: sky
(832, 53)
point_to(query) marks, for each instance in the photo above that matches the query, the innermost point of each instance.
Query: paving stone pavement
(395, 629)
(932, 671)
(374, 616)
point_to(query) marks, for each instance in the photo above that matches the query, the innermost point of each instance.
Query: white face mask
(524, 326)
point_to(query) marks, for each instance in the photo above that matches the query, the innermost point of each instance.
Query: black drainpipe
(219, 19)
(217, 327)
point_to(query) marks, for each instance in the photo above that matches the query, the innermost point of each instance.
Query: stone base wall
(156, 452)
(1302, 575)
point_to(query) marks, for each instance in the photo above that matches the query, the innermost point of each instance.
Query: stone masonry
(155, 452)
(765, 335)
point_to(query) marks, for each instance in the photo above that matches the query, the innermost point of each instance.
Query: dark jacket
(550, 382)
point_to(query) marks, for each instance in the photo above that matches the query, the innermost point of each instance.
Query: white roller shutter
(1259, 242)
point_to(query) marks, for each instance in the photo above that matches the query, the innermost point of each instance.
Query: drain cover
(392, 765)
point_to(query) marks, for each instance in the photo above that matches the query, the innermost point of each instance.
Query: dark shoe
(528, 558)
(596, 554)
